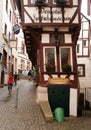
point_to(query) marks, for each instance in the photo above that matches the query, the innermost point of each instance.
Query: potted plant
(40, 2)
(60, 2)
(50, 67)
(66, 68)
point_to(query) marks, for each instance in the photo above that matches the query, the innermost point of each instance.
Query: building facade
(7, 8)
(23, 62)
(51, 29)
(9, 42)
(84, 53)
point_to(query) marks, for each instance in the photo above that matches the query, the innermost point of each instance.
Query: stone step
(46, 110)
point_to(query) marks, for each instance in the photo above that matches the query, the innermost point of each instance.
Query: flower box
(66, 68)
(50, 67)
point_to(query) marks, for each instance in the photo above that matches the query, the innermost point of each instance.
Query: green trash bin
(59, 114)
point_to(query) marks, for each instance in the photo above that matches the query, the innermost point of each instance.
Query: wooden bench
(45, 107)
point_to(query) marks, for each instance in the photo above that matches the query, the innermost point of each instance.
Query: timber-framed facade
(51, 31)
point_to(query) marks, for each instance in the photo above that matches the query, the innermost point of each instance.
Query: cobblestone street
(21, 112)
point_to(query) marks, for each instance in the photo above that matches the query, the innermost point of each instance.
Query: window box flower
(50, 67)
(66, 68)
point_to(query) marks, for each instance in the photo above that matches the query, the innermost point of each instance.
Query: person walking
(29, 75)
(15, 78)
(10, 83)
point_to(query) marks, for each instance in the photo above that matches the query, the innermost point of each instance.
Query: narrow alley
(21, 112)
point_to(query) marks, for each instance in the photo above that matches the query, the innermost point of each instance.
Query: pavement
(20, 111)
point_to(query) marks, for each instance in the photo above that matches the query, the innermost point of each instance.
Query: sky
(84, 7)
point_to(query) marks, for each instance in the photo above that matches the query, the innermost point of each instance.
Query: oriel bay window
(50, 59)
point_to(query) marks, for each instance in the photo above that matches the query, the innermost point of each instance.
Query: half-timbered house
(51, 29)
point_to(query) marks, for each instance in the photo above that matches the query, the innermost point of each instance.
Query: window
(0, 56)
(81, 70)
(77, 48)
(22, 64)
(84, 43)
(5, 30)
(49, 57)
(10, 15)
(66, 57)
(68, 2)
(22, 48)
(33, 1)
(28, 65)
(7, 5)
(56, 38)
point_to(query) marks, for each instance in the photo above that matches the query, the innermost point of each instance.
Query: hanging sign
(16, 28)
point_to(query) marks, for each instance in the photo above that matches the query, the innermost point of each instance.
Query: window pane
(49, 58)
(33, 1)
(65, 56)
(66, 60)
(49, 55)
(67, 1)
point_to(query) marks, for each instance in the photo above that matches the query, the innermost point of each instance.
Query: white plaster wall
(25, 2)
(85, 81)
(75, 2)
(45, 38)
(6, 18)
(73, 102)
(68, 38)
(1, 24)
